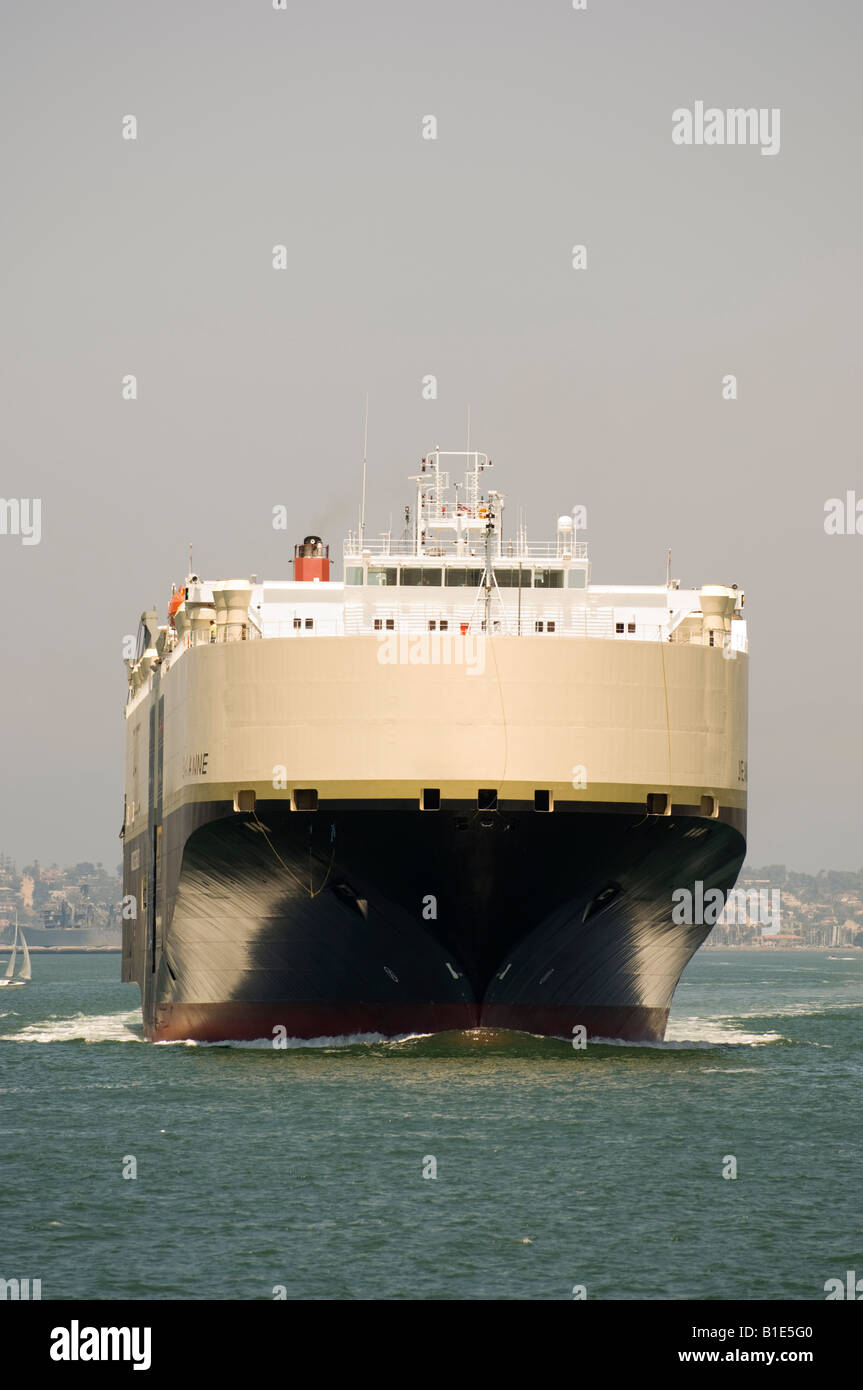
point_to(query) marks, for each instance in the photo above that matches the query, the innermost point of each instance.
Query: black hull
(379, 918)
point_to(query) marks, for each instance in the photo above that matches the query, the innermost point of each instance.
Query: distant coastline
(79, 907)
(70, 950)
(768, 945)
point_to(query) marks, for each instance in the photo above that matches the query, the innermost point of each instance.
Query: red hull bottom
(238, 1022)
(628, 1022)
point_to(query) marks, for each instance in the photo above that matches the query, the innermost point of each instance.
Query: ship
(460, 787)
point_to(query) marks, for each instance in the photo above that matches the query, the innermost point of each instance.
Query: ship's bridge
(454, 552)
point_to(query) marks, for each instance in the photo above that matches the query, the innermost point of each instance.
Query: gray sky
(406, 257)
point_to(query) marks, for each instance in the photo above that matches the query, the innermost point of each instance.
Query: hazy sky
(409, 257)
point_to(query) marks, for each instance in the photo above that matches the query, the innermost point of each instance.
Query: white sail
(11, 966)
(26, 971)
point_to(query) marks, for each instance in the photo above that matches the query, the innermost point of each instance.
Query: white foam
(803, 1009)
(730, 1071)
(89, 1028)
(346, 1040)
(713, 1032)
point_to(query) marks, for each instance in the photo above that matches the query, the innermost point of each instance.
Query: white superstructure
(454, 572)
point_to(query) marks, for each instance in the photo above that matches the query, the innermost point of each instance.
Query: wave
(716, 1031)
(268, 1044)
(709, 1037)
(682, 1034)
(732, 1071)
(126, 1027)
(801, 1010)
(88, 1028)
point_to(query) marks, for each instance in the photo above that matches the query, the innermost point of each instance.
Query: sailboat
(10, 980)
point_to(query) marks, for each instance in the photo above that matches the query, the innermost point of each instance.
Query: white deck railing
(383, 548)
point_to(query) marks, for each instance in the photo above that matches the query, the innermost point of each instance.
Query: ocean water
(302, 1169)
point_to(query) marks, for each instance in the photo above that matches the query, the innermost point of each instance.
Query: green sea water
(302, 1170)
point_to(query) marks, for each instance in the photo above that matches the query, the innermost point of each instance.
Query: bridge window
(578, 579)
(421, 575)
(463, 578)
(383, 574)
(353, 574)
(508, 578)
(548, 579)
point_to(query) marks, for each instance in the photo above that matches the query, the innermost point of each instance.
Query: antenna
(488, 584)
(191, 571)
(468, 428)
(489, 571)
(365, 456)
(668, 569)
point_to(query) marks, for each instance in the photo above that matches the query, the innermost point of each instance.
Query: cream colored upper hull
(593, 720)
